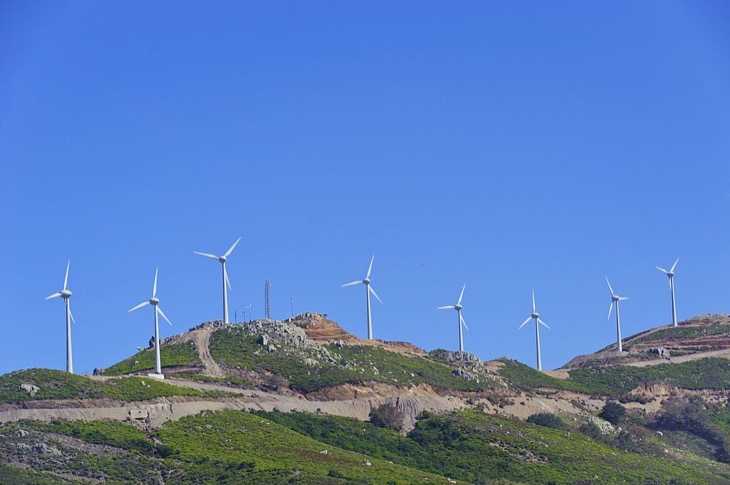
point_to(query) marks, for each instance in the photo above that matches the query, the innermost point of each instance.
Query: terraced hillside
(303, 401)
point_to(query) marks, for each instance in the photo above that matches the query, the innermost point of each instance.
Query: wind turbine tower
(226, 282)
(616, 299)
(65, 293)
(460, 319)
(670, 274)
(538, 321)
(267, 299)
(368, 289)
(154, 301)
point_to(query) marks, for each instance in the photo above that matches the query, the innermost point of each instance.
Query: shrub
(612, 412)
(388, 416)
(548, 420)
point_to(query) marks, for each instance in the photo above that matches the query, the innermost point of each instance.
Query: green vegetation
(388, 416)
(613, 412)
(618, 381)
(358, 363)
(549, 420)
(475, 447)
(54, 384)
(173, 355)
(682, 332)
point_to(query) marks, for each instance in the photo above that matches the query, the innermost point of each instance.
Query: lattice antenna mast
(292, 305)
(267, 293)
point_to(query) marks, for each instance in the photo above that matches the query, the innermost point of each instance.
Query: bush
(548, 420)
(613, 412)
(388, 416)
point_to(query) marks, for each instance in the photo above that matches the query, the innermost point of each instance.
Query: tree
(612, 412)
(388, 416)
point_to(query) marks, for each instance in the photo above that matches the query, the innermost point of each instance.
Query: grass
(54, 384)
(358, 363)
(175, 355)
(618, 381)
(475, 447)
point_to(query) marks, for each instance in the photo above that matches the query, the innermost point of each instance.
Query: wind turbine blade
(622, 298)
(211, 256)
(544, 324)
(533, 301)
(447, 307)
(55, 295)
(225, 272)
(662, 270)
(139, 306)
(524, 323)
(154, 286)
(609, 310)
(162, 314)
(674, 265)
(609, 286)
(70, 314)
(461, 295)
(230, 250)
(370, 268)
(352, 283)
(65, 280)
(463, 322)
(370, 289)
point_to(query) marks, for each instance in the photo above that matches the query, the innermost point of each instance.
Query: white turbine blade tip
(162, 314)
(524, 323)
(622, 298)
(662, 270)
(370, 289)
(370, 267)
(447, 307)
(65, 279)
(463, 322)
(55, 295)
(154, 285)
(544, 324)
(610, 309)
(70, 314)
(352, 284)
(207, 255)
(609, 285)
(144, 303)
(230, 250)
(462, 294)
(674, 265)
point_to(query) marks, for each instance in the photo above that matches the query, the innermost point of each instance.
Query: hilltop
(375, 412)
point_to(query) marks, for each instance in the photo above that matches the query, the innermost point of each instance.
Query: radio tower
(267, 293)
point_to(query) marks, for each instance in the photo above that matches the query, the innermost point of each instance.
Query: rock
(464, 374)
(263, 340)
(45, 449)
(151, 344)
(323, 452)
(98, 371)
(271, 348)
(339, 344)
(660, 351)
(30, 389)
(21, 433)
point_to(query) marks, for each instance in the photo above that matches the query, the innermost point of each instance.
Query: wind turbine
(368, 289)
(538, 322)
(226, 282)
(670, 274)
(65, 293)
(616, 299)
(154, 301)
(461, 321)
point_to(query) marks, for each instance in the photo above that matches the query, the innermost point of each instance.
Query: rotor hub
(670, 273)
(222, 259)
(366, 281)
(458, 307)
(65, 293)
(535, 315)
(615, 298)
(154, 301)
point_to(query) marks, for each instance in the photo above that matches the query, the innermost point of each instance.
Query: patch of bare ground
(324, 331)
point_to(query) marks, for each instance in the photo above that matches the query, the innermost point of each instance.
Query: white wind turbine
(65, 293)
(368, 289)
(226, 281)
(538, 322)
(670, 274)
(461, 321)
(154, 301)
(616, 299)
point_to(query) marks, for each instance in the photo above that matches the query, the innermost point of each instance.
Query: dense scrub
(310, 369)
(54, 384)
(174, 355)
(478, 448)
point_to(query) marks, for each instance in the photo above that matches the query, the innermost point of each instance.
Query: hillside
(250, 391)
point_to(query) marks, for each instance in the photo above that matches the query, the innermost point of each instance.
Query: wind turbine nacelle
(535, 315)
(154, 301)
(222, 259)
(458, 307)
(670, 273)
(366, 281)
(65, 293)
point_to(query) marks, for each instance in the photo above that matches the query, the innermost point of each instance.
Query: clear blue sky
(505, 145)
